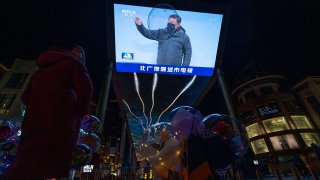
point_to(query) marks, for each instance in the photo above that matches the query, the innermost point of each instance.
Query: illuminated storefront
(301, 122)
(276, 126)
(308, 92)
(310, 138)
(253, 130)
(259, 146)
(284, 142)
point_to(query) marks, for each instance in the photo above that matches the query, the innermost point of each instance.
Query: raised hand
(138, 21)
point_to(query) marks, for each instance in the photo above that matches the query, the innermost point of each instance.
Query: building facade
(308, 92)
(3, 70)
(276, 124)
(12, 84)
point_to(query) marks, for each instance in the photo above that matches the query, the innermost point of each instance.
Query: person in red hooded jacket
(56, 99)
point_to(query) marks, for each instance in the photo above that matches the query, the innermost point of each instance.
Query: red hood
(54, 55)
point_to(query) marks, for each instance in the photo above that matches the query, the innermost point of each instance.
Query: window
(5, 102)
(314, 103)
(297, 108)
(301, 122)
(291, 106)
(284, 142)
(247, 116)
(241, 101)
(16, 80)
(250, 95)
(266, 90)
(317, 81)
(1, 74)
(3, 70)
(302, 87)
(288, 106)
(310, 138)
(253, 130)
(259, 146)
(275, 124)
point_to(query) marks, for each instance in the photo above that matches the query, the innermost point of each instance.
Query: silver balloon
(224, 136)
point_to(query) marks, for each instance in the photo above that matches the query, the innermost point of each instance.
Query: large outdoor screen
(165, 41)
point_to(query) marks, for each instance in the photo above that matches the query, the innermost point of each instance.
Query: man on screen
(174, 47)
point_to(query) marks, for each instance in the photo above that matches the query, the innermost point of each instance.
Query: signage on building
(87, 168)
(268, 109)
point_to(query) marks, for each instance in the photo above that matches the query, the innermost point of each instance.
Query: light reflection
(183, 90)
(136, 83)
(128, 107)
(154, 85)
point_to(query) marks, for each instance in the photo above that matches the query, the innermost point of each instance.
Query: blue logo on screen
(128, 56)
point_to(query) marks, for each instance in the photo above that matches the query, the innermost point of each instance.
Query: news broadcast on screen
(165, 41)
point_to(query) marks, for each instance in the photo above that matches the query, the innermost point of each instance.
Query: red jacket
(56, 98)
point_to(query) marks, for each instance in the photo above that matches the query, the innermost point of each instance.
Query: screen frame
(223, 7)
(204, 6)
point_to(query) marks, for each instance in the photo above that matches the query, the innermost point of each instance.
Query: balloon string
(182, 91)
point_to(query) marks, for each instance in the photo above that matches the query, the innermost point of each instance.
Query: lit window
(259, 146)
(310, 138)
(301, 122)
(275, 124)
(253, 130)
(284, 142)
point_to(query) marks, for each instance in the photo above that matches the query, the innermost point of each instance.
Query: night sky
(30, 27)
(284, 35)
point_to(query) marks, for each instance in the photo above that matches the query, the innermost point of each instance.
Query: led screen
(153, 47)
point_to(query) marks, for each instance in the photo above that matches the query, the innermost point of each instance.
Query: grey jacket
(173, 49)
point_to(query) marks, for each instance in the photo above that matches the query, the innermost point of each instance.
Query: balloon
(184, 120)
(190, 109)
(158, 19)
(166, 159)
(82, 155)
(146, 150)
(82, 132)
(223, 142)
(5, 161)
(160, 131)
(7, 146)
(164, 136)
(7, 158)
(10, 145)
(8, 123)
(90, 124)
(91, 140)
(6, 130)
